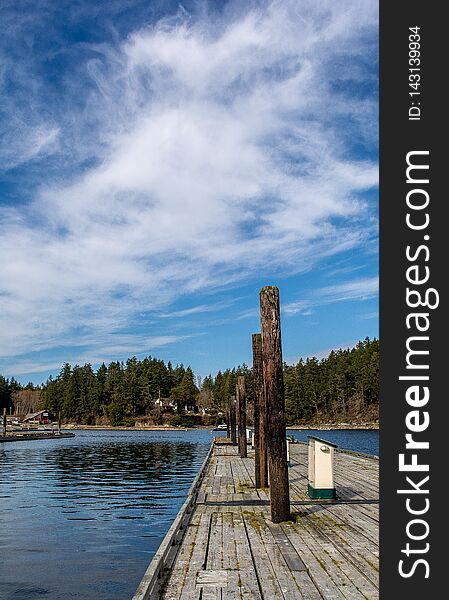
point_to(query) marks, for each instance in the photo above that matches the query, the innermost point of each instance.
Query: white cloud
(358, 289)
(22, 143)
(217, 155)
(96, 349)
(198, 309)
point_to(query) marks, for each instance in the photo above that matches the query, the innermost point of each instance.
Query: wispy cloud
(370, 315)
(216, 152)
(196, 310)
(93, 350)
(23, 143)
(358, 289)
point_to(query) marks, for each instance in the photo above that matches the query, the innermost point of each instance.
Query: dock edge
(162, 562)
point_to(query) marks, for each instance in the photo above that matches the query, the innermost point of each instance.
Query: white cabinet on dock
(321, 468)
(250, 436)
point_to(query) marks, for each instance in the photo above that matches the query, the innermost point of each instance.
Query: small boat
(221, 427)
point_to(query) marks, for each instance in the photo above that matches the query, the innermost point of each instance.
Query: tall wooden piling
(241, 403)
(260, 416)
(274, 396)
(4, 423)
(232, 419)
(228, 425)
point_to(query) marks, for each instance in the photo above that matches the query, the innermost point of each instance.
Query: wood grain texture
(260, 416)
(329, 550)
(273, 378)
(240, 392)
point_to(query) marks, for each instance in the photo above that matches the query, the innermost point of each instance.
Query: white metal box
(321, 468)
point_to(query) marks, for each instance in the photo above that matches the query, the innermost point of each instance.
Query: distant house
(165, 404)
(43, 417)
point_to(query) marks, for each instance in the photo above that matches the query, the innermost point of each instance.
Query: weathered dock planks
(231, 549)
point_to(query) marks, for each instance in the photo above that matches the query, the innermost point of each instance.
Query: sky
(161, 162)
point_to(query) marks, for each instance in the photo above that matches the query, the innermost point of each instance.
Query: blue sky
(161, 162)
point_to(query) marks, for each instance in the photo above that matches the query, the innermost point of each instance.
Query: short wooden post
(274, 396)
(4, 422)
(241, 402)
(233, 421)
(260, 416)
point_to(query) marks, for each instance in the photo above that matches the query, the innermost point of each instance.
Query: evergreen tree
(344, 386)
(185, 394)
(5, 394)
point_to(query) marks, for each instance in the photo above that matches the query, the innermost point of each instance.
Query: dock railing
(165, 556)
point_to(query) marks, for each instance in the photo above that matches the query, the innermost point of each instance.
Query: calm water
(81, 518)
(366, 441)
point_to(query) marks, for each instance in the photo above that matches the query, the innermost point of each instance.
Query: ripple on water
(82, 517)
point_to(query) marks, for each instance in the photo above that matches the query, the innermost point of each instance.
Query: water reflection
(82, 517)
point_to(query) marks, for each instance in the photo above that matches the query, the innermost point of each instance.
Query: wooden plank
(249, 585)
(215, 543)
(230, 560)
(198, 558)
(342, 569)
(232, 551)
(315, 567)
(212, 578)
(306, 585)
(286, 581)
(289, 554)
(176, 579)
(266, 575)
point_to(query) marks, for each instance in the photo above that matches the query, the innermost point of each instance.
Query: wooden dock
(224, 546)
(27, 436)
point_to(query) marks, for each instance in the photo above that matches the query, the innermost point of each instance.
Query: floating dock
(223, 545)
(25, 437)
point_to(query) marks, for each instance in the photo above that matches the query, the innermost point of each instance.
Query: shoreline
(315, 426)
(73, 426)
(328, 426)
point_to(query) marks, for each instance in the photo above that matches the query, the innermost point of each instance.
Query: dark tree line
(8, 387)
(342, 387)
(222, 387)
(120, 391)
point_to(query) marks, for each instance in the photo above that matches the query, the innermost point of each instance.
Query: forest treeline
(343, 387)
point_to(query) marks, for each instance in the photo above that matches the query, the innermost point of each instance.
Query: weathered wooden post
(260, 415)
(4, 422)
(241, 401)
(274, 397)
(228, 425)
(233, 421)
